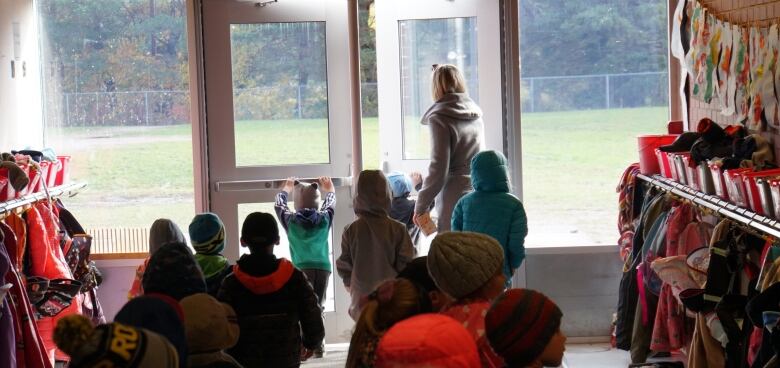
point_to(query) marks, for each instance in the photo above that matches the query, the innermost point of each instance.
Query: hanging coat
(7, 333)
(30, 350)
(47, 260)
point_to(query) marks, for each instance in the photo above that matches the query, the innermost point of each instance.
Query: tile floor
(577, 356)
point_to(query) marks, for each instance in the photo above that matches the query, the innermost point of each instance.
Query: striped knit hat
(520, 324)
(207, 234)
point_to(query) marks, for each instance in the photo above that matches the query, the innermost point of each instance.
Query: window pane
(280, 93)
(423, 43)
(594, 75)
(283, 249)
(116, 98)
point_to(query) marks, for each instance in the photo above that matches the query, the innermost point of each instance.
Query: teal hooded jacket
(492, 210)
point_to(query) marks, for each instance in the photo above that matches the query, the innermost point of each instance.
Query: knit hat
(462, 262)
(16, 176)
(259, 229)
(400, 183)
(682, 143)
(306, 196)
(418, 342)
(520, 324)
(173, 271)
(164, 231)
(207, 234)
(112, 345)
(156, 315)
(210, 325)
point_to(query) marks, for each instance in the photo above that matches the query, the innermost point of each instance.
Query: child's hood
(250, 272)
(373, 195)
(309, 217)
(489, 172)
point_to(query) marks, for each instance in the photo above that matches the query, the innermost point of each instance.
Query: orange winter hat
(420, 342)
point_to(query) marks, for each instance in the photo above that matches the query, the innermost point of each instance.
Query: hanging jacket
(47, 260)
(492, 210)
(7, 333)
(30, 351)
(277, 311)
(456, 136)
(308, 231)
(375, 247)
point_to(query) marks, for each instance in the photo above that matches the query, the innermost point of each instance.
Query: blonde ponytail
(446, 79)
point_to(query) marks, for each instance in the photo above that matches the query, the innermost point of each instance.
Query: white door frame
(230, 185)
(388, 14)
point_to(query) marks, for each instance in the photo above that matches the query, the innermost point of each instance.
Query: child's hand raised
(289, 185)
(326, 184)
(417, 178)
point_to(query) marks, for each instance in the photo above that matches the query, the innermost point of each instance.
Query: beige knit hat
(209, 324)
(462, 262)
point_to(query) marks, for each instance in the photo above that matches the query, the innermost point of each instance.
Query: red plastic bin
(680, 172)
(735, 186)
(63, 175)
(753, 194)
(691, 173)
(774, 189)
(51, 176)
(719, 181)
(663, 163)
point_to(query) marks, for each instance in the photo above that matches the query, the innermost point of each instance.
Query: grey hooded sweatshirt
(456, 136)
(375, 247)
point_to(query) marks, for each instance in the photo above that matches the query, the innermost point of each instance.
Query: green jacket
(490, 209)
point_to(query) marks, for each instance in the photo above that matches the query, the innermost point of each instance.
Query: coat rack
(63, 190)
(742, 216)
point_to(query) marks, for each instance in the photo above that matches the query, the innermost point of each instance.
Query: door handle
(250, 185)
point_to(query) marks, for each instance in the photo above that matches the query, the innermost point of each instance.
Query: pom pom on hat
(72, 332)
(462, 262)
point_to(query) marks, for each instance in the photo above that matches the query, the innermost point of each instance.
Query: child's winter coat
(277, 311)
(492, 210)
(375, 247)
(308, 230)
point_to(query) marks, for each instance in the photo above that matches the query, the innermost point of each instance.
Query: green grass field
(571, 164)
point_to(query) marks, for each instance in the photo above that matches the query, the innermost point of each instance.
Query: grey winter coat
(375, 247)
(456, 136)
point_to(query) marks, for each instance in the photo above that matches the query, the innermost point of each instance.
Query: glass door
(411, 37)
(278, 105)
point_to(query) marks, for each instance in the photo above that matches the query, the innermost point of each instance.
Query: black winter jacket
(277, 311)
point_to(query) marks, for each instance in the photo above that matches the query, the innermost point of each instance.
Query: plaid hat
(306, 196)
(210, 325)
(173, 271)
(207, 234)
(520, 324)
(400, 184)
(158, 316)
(462, 262)
(418, 341)
(112, 345)
(259, 229)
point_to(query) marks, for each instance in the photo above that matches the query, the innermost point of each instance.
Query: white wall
(21, 122)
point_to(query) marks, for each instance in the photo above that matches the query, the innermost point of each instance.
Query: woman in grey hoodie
(456, 136)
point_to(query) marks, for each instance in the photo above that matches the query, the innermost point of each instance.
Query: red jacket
(47, 260)
(29, 345)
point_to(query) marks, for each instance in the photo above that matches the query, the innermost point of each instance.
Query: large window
(594, 75)
(116, 99)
